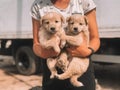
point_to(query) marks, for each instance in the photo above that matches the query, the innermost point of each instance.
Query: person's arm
(83, 50)
(93, 29)
(36, 26)
(37, 48)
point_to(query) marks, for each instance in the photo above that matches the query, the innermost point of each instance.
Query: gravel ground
(108, 77)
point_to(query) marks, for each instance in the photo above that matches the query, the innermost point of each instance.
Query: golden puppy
(77, 66)
(50, 36)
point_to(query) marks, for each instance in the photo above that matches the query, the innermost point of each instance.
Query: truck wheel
(26, 62)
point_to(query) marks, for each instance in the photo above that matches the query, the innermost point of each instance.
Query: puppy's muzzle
(75, 29)
(53, 29)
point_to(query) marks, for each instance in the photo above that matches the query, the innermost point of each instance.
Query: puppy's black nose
(76, 29)
(52, 29)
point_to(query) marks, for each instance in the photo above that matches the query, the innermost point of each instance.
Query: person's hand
(42, 52)
(81, 51)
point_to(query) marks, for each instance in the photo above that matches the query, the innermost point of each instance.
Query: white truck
(16, 33)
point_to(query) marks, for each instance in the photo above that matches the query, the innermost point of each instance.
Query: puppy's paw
(57, 50)
(62, 44)
(52, 76)
(78, 84)
(57, 76)
(81, 84)
(64, 69)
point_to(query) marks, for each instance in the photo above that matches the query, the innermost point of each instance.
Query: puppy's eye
(56, 21)
(71, 22)
(47, 22)
(80, 23)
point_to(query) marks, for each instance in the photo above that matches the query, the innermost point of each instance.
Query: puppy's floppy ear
(67, 31)
(67, 19)
(86, 20)
(62, 19)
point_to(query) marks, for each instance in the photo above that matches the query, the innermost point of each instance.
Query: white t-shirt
(40, 7)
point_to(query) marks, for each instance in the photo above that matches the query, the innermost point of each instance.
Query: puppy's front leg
(51, 63)
(74, 40)
(57, 48)
(62, 37)
(53, 43)
(62, 43)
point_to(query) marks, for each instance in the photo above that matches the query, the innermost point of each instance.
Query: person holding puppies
(66, 8)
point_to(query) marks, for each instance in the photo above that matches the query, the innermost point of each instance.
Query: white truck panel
(108, 18)
(8, 15)
(15, 20)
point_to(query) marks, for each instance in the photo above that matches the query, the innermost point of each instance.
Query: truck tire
(26, 61)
